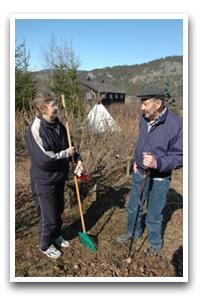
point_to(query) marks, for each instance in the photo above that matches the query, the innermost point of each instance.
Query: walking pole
(84, 238)
(146, 174)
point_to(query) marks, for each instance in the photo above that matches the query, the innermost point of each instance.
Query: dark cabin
(102, 92)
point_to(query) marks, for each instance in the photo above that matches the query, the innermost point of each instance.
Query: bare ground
(105, 216)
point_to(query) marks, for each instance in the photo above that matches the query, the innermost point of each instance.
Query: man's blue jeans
(155, 192)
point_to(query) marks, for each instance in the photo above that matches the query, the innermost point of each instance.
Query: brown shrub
(103, 153)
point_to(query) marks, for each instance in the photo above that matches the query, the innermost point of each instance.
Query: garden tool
(84, 238)
(146, 174)
(84, 178)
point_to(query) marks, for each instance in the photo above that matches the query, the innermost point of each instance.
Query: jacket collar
(163, 115)
(47, 124)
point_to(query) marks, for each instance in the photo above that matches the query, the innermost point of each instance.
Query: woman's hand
(79, 168)
(70, 151)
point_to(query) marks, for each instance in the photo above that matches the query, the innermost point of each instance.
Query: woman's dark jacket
(47, 144)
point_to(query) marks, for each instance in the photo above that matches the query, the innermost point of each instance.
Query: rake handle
(79, 203)
(75, 177)
(67, 124)
(68, 134)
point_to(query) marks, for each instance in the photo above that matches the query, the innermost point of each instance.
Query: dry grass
(102, 153)
(104, 206)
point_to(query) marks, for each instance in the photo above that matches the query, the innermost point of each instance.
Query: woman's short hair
(42, 100)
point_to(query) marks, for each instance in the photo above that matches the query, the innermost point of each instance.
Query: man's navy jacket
(164, 141)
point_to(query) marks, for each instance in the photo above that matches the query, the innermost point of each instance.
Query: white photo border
(15, 17)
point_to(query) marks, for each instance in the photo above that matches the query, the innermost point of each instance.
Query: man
(158, 152)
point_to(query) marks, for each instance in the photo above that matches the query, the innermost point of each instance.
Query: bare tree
(60, 58)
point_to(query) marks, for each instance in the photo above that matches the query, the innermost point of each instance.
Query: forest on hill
(165, 72)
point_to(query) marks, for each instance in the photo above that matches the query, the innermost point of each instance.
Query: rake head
(87, 242)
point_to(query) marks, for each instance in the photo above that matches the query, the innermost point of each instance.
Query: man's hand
(135, 167)
(79, 168)
(149, 161)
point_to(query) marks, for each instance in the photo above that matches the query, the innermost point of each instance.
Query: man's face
(151, 108)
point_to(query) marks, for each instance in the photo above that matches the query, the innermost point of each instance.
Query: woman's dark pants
(49, 201)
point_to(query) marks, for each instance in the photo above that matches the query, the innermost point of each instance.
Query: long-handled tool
(84, 238)
(146, 174)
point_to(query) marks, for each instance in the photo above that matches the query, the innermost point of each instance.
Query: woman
(50, 153)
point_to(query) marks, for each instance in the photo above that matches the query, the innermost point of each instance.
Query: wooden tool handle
(79, 203)
(68, 134)
(75, 177)
(67, 125)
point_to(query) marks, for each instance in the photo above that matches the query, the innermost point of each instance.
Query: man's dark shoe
(123, 239)
(152, 252)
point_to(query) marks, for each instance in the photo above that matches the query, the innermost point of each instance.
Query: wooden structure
(100, 90)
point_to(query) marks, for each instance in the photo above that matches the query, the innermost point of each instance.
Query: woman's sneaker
(61, 242)
(52, 252)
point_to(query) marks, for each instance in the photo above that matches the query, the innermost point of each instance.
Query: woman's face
(50, 111)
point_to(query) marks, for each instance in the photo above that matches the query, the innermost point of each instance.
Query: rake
(84, 238)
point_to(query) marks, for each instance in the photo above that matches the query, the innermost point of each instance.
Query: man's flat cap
(151, 92)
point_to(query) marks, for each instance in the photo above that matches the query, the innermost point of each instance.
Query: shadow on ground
(177, 261)
(174, 202)
(107, 198)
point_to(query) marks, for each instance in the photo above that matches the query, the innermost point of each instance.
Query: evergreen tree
(168, 95)
(63, 64)
(25, 87)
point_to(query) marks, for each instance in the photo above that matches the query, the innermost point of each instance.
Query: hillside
(132, 78)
